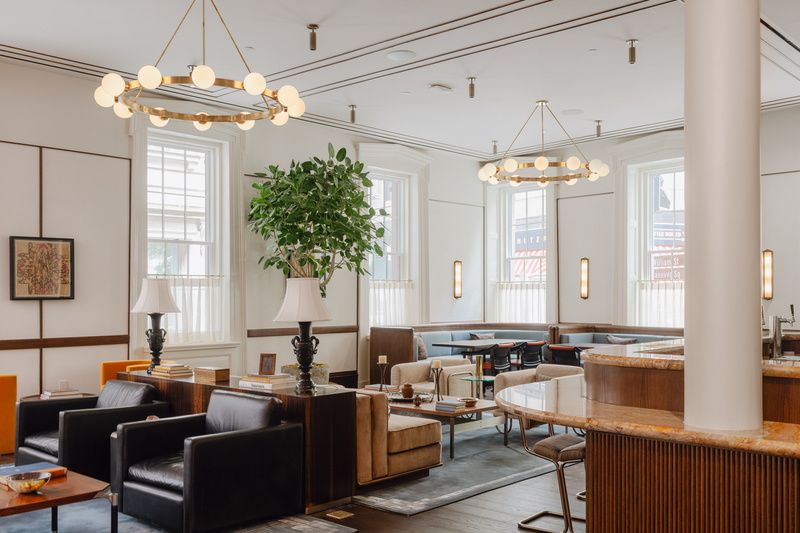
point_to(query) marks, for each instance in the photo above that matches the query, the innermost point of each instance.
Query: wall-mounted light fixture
(584, 277)
(457, 279)
(312, 37)
(767, 274)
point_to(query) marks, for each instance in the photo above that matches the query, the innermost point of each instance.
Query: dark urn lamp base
(155, 340)
(305, 347)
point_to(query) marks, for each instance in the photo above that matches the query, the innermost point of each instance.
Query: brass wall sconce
(457, 279)
(767, 274)
(584, 278)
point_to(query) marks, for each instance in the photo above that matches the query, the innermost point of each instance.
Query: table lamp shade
(303, 302)
(155, 297)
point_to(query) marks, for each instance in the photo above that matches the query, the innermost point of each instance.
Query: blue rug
(95, 517)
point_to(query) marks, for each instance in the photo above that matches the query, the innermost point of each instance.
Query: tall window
(658, 244)
(185, 244)
(390, 290)
(521, 295)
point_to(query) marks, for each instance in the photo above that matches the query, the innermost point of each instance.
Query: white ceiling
(572, 52)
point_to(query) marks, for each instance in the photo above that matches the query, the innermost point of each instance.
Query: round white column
(723, 314)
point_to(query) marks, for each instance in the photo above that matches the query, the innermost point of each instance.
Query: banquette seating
(75, 432)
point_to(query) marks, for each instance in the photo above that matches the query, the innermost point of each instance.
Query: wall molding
(287, 332)
(62, 342)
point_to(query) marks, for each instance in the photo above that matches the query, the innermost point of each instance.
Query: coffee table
(456, 420)
(72, 488)
(478, 381)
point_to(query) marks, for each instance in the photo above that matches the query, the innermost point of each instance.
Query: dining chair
(531, 354)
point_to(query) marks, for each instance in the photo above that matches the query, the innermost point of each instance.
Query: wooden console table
(329, 435)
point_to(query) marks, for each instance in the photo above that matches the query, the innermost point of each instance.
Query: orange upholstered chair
(8, 412)
(109, 369)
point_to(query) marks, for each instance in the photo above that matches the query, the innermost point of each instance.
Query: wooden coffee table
(72, 488)
(456, 420)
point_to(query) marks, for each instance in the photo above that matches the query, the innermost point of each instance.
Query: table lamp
(155, 299)
(303, 304)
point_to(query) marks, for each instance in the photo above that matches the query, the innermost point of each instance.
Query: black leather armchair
(75, 432)
(237, 463)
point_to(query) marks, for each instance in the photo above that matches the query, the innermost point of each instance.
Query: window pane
(155, 258)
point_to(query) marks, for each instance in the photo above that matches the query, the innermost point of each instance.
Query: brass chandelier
(506, 169)
(123, 96)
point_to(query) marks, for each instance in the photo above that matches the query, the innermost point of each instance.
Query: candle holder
(437, 372)
(382, 368)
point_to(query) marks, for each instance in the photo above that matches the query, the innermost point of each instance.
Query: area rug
(95, 516)
(481, 464)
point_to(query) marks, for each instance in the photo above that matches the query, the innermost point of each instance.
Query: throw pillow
(619, 340)
(422, 350)
(480, 336)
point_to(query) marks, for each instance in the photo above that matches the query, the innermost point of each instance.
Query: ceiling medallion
(123, 96)
(506, 169)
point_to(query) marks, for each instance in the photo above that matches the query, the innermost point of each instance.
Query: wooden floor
(496, 510)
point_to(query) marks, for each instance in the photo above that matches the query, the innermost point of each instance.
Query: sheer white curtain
(521, 301)
(659, 303)
(391, 303)
(203, 317)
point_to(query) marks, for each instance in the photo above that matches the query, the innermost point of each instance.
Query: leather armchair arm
(255, 472)
(83, 437)
(135, 441)
(37, 416)
(417, 372)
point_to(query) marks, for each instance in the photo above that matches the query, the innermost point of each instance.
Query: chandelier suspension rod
(571, 140)
(542, 151)
(520, 132)
(236, 46)
(174, 33)
(204, 31)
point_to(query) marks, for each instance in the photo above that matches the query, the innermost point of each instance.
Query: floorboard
(497, 510)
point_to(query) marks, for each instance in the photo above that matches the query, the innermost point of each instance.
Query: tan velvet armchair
(392, 445)
(418, 374)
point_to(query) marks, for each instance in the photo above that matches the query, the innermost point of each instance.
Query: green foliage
(315, 217)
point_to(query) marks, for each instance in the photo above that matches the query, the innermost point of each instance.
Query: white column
(722, 98)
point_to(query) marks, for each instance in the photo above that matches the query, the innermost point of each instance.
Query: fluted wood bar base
(640, 484)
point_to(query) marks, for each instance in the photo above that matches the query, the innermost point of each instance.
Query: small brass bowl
(27, 482)
(469, 402)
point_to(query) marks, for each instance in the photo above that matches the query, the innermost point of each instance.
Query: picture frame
(42, 268)
(266, 364)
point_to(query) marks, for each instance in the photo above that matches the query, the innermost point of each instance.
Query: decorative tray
(426, 397)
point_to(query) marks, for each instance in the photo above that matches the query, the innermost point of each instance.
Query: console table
(328, 417)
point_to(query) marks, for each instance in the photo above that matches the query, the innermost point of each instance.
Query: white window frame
(506, 247)
(400, 217)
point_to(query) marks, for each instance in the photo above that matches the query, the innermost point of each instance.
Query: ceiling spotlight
(440, 88)
(494, 147)
(632, 50)
(401, 55)
(352, 114)
(312, 37)
(598, 127)
(471, 80)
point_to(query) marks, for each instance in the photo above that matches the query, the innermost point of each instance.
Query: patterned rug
(481, 464)
(95, 516)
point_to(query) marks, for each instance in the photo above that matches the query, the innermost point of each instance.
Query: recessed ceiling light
(401, 55)
(249, 48)
(440, 88)
(406, 93)
(592, 50)
(572, 112)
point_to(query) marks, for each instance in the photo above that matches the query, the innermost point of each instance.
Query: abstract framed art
(42, 268)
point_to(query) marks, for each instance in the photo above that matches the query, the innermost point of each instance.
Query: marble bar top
(563, 401)
(668, 355)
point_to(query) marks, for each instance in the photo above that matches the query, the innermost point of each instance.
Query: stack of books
(211, 375)
(60, 394)
(450, 406)
(172, 370)
(259, 382)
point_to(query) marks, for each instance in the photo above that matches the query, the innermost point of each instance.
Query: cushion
(416, 459)
(233, 411)
(46, 441)
(165, 471)
(410, 432)
(118, 393)
(612, 339)
(422, 350)
(564, 447)
(481, 336)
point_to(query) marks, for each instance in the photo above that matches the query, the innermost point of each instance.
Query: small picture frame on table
(42, 268)
(266, 365)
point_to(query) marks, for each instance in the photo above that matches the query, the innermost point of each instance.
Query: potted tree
(315, 218)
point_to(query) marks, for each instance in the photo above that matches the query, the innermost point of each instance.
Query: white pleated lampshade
(155, 297)
(303, 302)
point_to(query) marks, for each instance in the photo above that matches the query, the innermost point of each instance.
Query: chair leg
(566, 516)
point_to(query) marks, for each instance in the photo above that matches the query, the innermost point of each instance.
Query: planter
(320, 372)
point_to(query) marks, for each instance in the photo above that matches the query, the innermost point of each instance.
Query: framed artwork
(42, 268)
(266, 365)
